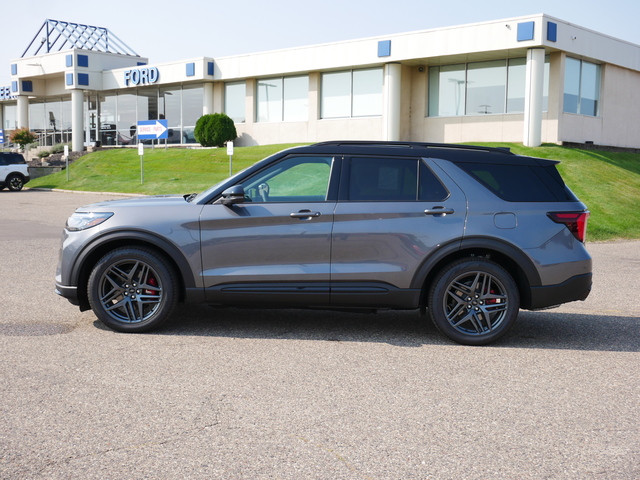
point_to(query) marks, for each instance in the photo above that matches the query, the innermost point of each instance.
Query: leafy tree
(214, 130)
(23, 137)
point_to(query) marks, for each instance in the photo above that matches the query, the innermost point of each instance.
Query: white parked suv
(14, 172)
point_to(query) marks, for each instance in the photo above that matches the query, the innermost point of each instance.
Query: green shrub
(214, 130)
(43, 153)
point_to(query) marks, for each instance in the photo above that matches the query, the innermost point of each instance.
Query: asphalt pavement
(292, 394)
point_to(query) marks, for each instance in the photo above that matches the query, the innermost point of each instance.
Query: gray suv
(468, 234)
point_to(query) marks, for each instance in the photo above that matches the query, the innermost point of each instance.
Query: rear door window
(392, 180)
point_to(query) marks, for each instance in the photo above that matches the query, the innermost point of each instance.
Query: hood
(150, 201)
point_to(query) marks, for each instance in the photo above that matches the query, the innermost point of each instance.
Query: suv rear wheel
(474, 301)
(132, 289)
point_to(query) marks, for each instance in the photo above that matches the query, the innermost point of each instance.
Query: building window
(367, 93)
(126, 123)
(447, 91)
(234, 101)
(486, 87)
(283, 99)
(10, 117)
(169, 102)
(581, 87)
(36, 117)
(516, 80)
(192, 101)
(296, 99)
(356, 93)
(269, 100)
(480, 88)
(107, 115)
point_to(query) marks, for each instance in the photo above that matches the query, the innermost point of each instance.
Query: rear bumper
(573, 289)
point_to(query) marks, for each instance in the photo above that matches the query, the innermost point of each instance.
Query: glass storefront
(50, 120)
(119, 113)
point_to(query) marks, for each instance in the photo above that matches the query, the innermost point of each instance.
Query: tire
(15, 182)
(474, 301)
(133, 289)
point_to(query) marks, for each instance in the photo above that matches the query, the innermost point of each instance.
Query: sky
(172, 30)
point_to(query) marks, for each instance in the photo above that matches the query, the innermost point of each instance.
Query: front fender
(110, 240)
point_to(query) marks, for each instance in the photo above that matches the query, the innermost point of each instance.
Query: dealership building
(533, 79)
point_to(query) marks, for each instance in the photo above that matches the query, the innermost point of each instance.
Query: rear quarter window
(521, 183)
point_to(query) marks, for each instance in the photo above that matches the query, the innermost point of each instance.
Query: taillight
(576, 222)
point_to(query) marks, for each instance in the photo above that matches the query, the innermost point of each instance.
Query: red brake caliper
(492, 301)
(154, 283)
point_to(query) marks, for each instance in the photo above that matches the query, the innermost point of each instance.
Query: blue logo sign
(152, 129)
(1, 136)
(141, 76)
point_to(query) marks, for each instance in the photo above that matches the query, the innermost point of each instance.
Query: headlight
(82, 221)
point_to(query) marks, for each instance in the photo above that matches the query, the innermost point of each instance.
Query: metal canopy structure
(55, 35)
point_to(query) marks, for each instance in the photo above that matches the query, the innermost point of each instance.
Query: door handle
(439, 211)
(305, 214)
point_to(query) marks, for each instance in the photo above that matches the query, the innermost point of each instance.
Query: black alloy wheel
(474, 301)
(133, 289)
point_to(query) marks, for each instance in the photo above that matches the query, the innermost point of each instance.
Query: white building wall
(617, 123)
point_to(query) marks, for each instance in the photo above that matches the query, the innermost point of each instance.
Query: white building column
(391, 102)
(207, 100)
(77, 120)
(534, 91)
(22, 113)
(250, 102)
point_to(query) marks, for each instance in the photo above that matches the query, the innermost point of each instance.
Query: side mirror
(233, 195)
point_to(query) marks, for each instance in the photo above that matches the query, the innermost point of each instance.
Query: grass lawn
(608, 182)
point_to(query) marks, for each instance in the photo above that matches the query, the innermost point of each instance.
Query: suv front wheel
(132, 289)
(474, 301)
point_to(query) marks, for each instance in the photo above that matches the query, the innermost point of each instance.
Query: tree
(214, 130)
(23, 137)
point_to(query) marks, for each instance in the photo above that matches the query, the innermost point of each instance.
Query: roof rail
(377, 143)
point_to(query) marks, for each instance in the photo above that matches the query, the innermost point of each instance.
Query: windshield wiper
(190, 196)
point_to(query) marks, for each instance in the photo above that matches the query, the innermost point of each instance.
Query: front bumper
(70, 293)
